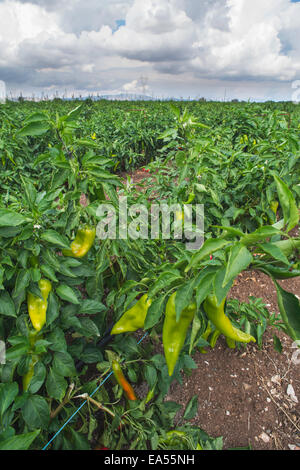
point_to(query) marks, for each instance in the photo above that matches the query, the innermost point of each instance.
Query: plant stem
(66, 400)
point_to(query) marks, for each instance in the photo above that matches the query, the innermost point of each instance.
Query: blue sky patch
(119, 23)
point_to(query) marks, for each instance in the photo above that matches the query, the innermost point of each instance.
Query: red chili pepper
(129, 392)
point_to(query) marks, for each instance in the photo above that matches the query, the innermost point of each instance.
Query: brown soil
(242, 395)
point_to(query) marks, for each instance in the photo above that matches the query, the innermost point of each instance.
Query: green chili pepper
(29, 375)
(205, 336)
(216, 315)
(83, 242)
(230, 343)
(174, 333)
(150, 394)
(274, 206)
(174, 437)
(134, 318)
(213, 338)
(190, 199)
(34, 261)
(37, 307)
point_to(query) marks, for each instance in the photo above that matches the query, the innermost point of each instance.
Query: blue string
(78, 409)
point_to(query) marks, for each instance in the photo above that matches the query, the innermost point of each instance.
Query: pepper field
(59, 162)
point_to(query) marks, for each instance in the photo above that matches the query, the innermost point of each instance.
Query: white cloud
(251, 47)
(155, 31)
(175, 43)
(156, 17)
(136, 86)
(19, 22)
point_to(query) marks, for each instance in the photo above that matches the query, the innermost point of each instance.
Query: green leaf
(204, 286)
(259, 235)
(220, 291)
(7, 307)
(41, 346)
(154, 441)
(14, 340)
(36, 412)
(10, 219)
(22, 282)
(210, 246)
(91, 355)
(87, 328)
(50, 258)
(29, 190)
(56, 385)
(11, 232)
(289, 307)
(229, 231)
(91, 307)
(20, 442)
(150, 375)
(52, 310)
(155, 312)
(1, 277)
(158, 360)
(57, 340)
(279, 225)
(277, 344)
(66, 271)
(200, 188)
(215, 198)
(288, 204)
(36, 117)
(48, 272)
(8, 393)
(275, 252)
(165, 280)
(51, 236)
(191, 408)
(171, 408)
(35, 290)
(183, 297)
(288, 247)
(239, 260)
(67, 293)
(38, 378)
(74, 114)
(188, 362)
(34, 128)
(63, 364)
(79, 441)
(16, 352)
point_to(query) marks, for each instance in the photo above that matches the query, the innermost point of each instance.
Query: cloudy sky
(245, 49)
